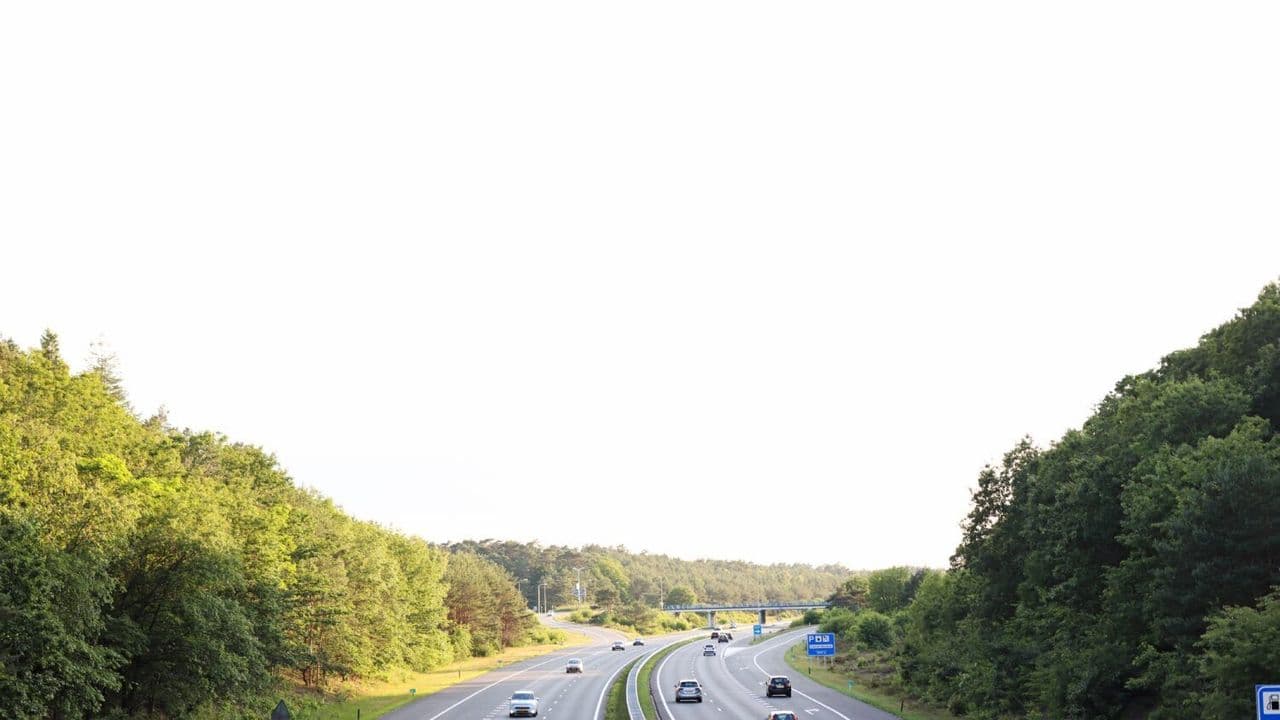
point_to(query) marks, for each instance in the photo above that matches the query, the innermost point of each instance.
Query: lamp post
(577, 587)
(520, 589)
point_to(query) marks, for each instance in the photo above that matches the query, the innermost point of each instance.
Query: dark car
(724, 637)
(778, 685)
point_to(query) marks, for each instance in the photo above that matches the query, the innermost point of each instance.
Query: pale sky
(763, 281)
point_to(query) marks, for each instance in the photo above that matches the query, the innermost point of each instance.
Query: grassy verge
(376, 698)
(646, 672)
(905, 708)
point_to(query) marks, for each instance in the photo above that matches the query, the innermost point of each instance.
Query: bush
(875, 631)
(811, 617)
(546, 636)
(841, 621)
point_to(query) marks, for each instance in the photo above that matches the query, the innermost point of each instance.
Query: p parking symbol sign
(1268, 702)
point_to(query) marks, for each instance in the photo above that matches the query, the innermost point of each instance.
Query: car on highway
(715, 634)
(573, 666)
(617, 646)
(688, 690)
(638, 642)
(724, 637)
(708, 650)
(523, 703)
(781, 715)
(778, 685)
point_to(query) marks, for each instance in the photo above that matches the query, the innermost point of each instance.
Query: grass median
(616, 707)
(851, 686)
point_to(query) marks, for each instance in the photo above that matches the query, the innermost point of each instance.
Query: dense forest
(152, 572)
(1130, 570)
(613, 576)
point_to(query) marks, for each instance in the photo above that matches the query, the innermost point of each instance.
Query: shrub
(841, 621)
(875, 631)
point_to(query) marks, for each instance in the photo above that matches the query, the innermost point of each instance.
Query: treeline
(612, 576)
(1130, 570)
(151, 572)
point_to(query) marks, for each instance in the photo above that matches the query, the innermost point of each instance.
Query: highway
(563, 696)
(733, 684)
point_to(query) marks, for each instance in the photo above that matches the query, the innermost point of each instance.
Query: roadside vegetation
(373, 698)
(1128, 570)
(616, 705)
(863, 678)
(150, 571)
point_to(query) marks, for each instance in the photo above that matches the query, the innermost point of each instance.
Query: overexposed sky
(768, 281)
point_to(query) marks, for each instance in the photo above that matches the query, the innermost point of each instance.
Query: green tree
(680, 595)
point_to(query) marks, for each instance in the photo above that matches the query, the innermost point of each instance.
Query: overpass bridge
(761, 608)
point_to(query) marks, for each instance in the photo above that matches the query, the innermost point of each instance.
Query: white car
(708, 650)
(688, 690)
(523, 703)
(573, 666)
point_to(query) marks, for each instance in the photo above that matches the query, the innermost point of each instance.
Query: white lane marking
(662, 695)
(605, 691)
(812, 711)
(755, 659)
(486, 687)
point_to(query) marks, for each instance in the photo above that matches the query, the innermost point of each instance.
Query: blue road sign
(1268, 702)
(757, 629)
(821, 644)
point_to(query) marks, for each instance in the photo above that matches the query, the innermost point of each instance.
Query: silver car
(523, 703)
(688, 690)
(573, 666)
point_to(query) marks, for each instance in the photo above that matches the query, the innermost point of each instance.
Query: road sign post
(1268, 702)
(757, 629)
(820, 644)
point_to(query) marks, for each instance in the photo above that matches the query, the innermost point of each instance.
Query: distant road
(733, 684)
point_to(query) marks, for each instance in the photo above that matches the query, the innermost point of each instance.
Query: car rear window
(521, 696)
(689, 683)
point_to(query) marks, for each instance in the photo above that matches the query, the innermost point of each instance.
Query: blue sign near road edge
(757, 629)
(821, 644)
(1268, 701)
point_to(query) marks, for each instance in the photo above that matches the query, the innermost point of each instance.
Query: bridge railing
(749, 606)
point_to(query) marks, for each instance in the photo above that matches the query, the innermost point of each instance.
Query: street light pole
(578, 585)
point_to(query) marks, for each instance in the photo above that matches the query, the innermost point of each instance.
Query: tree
(852, 593)
(680, 595)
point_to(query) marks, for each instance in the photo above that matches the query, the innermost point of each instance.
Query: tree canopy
(1130, 569)
(146, 570)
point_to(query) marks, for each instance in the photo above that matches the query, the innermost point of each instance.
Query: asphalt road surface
(733, 684)
(563, 696)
